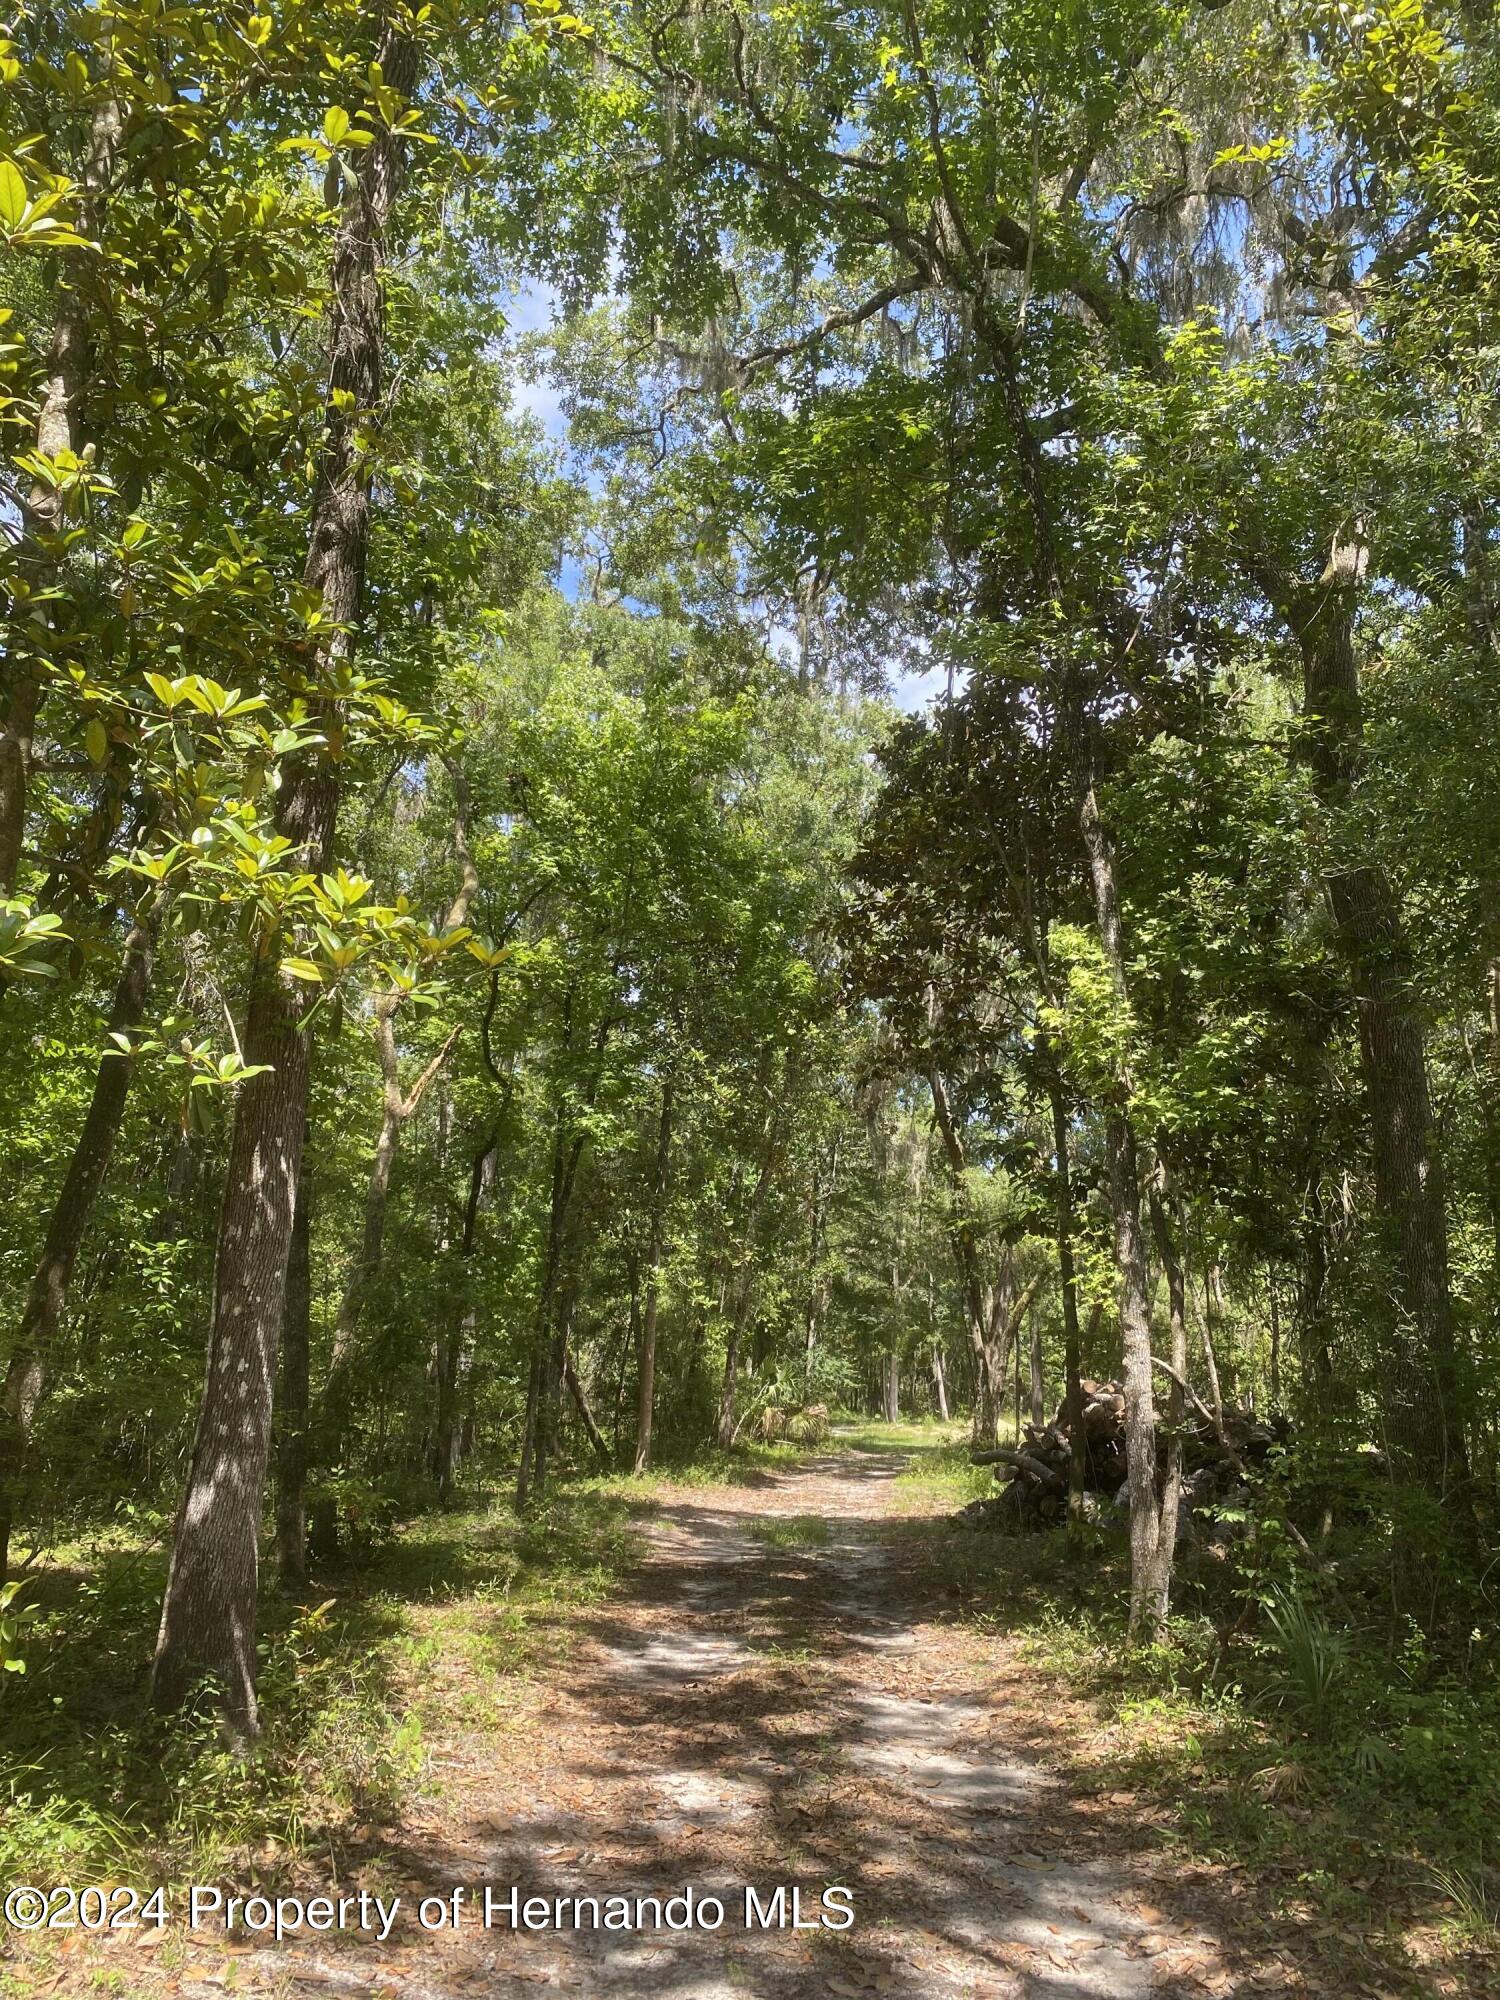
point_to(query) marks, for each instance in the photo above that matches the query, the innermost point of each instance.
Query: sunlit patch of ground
(804, 1677)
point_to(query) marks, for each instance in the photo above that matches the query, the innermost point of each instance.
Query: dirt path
(779, 1700)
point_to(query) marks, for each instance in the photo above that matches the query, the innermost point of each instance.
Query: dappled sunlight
(752, 1710)
(804, 1682)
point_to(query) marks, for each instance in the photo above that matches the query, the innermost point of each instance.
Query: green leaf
(12, 194)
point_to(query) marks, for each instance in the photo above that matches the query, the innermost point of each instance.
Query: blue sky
(531, 310)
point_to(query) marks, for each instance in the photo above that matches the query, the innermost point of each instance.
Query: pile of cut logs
(1219, 1454)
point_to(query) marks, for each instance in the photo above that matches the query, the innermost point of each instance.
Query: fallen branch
(1209, 1417)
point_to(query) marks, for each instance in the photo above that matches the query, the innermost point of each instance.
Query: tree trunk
(1160, 1596)
(208, 1614)
(209, 1608)
(817, 1287)
(296, 1344)
(1007, 1314)
(545, 1357)
(1038, 1386)
(744, 1294)
(1016, 1419)
(647, 1386)
(398, 1108)
(939, 1382)
(1122, 1184)
(455, 1361)
(42, 511)
(1419, 1377)
(729, 1388)
(556, 1371)
(1216, 1316)
(586, 1416)
(549, 1339)
(529, 1430)
(989, 1391)
(892, 1387)
(1068, 1274)
(34, 1349)
(456, 1352)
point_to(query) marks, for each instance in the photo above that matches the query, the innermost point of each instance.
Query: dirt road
(779, 1699)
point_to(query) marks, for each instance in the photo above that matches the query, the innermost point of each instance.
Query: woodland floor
(780, 1693)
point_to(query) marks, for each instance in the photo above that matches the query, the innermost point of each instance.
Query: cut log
(1219, 1453)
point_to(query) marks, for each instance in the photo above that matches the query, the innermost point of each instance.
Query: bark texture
(292, 1451)
(1421, 1376)
(646, 1388)
(208, 1612)
(890, 1387)
(583, 1406)
(207, 1630)
(990, 1386)
(1037, 1387)
(1421, 1371)
(939, 1381)
(1167, 1249)
(1067, 1272)
(1122, 1184)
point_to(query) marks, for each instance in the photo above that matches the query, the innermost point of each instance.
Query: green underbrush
(1298, 1725)
(96, 1786)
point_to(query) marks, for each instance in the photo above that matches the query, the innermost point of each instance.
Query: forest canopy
(711, 713)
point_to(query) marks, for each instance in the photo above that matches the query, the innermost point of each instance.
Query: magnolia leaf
(12, 194)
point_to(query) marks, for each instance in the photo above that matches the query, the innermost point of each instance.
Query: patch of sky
(534, 307)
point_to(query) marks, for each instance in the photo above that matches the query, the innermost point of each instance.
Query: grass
(94, 1786)
(1246, 1778)
(1474, 1896)
(1355, 1777)
(98, 1787)
(937, 1477)
(749, 1463)
(792, 1531)
(869, 1434)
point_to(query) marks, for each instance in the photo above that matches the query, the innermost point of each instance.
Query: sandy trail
(778, 1698)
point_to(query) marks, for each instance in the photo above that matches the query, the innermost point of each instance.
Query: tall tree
(208, 1611)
